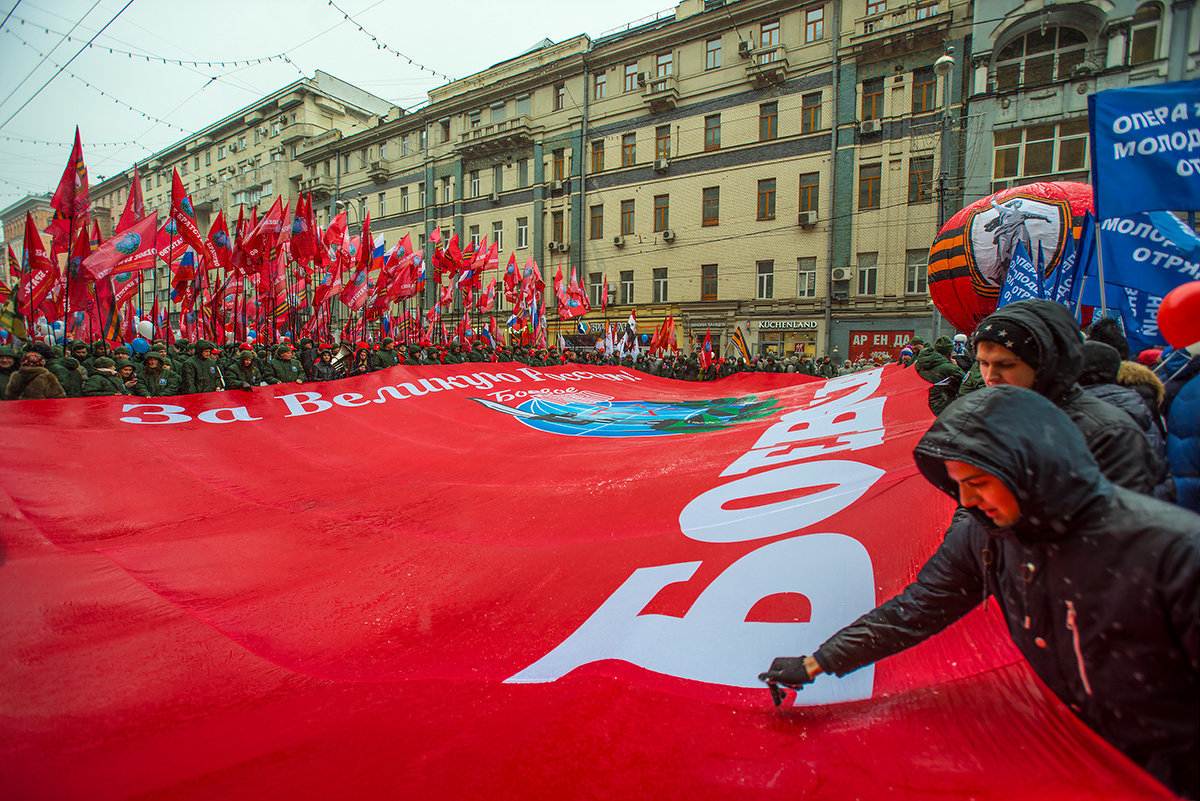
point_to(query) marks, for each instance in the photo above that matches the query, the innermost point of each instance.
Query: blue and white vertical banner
(1023, 281)
(1139, 317)
(1146, 149)
(1137, 255)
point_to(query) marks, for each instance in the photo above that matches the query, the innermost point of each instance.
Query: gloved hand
(788, 671)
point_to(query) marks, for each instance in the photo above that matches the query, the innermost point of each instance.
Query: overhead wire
(65, 37)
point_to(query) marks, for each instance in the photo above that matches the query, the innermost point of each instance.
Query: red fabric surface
(367, 601)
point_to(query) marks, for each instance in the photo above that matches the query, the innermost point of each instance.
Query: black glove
(788, 671)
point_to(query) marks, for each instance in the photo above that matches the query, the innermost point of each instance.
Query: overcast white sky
(455, 38)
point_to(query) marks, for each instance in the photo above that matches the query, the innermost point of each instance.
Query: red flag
(135, 207)
(218, 238)
(330, 286)
(487, 301)
(38, 272)
(356, 292)
(494, 330)
(185, 221)
(70, 202)
(558, 286)
(512, 279)
(128, 251)
(604, 295)
(335, 232)
(171, 246)
(706, 350)
(447, 296)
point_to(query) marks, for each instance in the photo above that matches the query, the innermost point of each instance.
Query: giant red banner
(496, 581)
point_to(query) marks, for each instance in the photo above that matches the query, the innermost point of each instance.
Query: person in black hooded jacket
(1098, 585)
(1036, 344)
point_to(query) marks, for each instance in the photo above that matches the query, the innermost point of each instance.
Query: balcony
(768, 66)
(509, 134)
(297, 131)
(898, 25)
(207, 198)
(319, 186)
(661, 93)
(380, 170)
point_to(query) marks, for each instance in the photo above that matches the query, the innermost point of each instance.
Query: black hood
(1059, 343)
(1025, 441)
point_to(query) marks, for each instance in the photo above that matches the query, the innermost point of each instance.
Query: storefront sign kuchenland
(786, 324)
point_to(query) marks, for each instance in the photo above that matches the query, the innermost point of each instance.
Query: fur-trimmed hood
(1134, 375)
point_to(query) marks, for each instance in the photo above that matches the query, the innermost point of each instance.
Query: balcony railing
(661, 93)
(768, 66)
(501, 135)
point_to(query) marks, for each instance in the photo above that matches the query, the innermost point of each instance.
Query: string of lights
(380, 45)
(95, 88)
(30, 141)
(245, 62)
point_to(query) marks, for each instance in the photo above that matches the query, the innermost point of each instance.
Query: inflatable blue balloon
(140, 345)
(3, 333)
(250, 335)
(645, 338)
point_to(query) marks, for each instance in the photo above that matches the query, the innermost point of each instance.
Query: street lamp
(942, 68)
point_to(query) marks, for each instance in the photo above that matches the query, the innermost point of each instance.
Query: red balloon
(970, 255)
(1179, 315)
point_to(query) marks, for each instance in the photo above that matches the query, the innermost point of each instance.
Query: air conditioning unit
(744, 49)
(668, 235)
(660, 165)
(563, 247)
(233, 148)
(643, 78)
(552, 247)
(494, 197)
(841, 273)
(264, 130)
(283, 119)
(869, 127)
(808, 218)
(619, 241)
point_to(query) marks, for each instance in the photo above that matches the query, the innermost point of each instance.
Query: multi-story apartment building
(245, 158)
(13, 220)
(1034, 66)
(758, 164)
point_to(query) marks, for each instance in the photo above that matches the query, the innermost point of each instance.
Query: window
(404, 198)
(475, 119)
(916, 276)
(498, 235)
(560, 96)
(876, 6)
(927, 10)
(872, 99)
(712, 54)
(595, 288)
(660, 284)
(346, 163)
(626, 287)
(768, 40)
(662, 212)
(382, 195)
(599, 84)
(867, 267)
(806, 277)
(710, 206)
(207, 158)
(160, 177)
(556, 226)
(522, 173)
(768, 121)
(446, 196)
(422, 139)
(1143, 44)
(522, 233)
(242, 142)
(626, 217)
(421, 200)
(814, 25)
(598, 156)
(183, 168)
(1041, 151)
(663, 65)
(869, 177)
(712, 132)
(196, 164)
(708, 282)
(810, 191)
(220, 152)
(628, 149)
(383, 150)
(523, 102)
(662, 142)
(810, 112)
(766, 279)
(766, 199)
(498, 178)
(474, 235)
(474, 183)
(920, 179)
(630, 83)
(924, 90)
(559, 164)
(404, 145)
(499, 111)
(596, 222)
(1039, 57)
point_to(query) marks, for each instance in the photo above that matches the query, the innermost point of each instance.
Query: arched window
(1040, 57)
(1143, 42)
